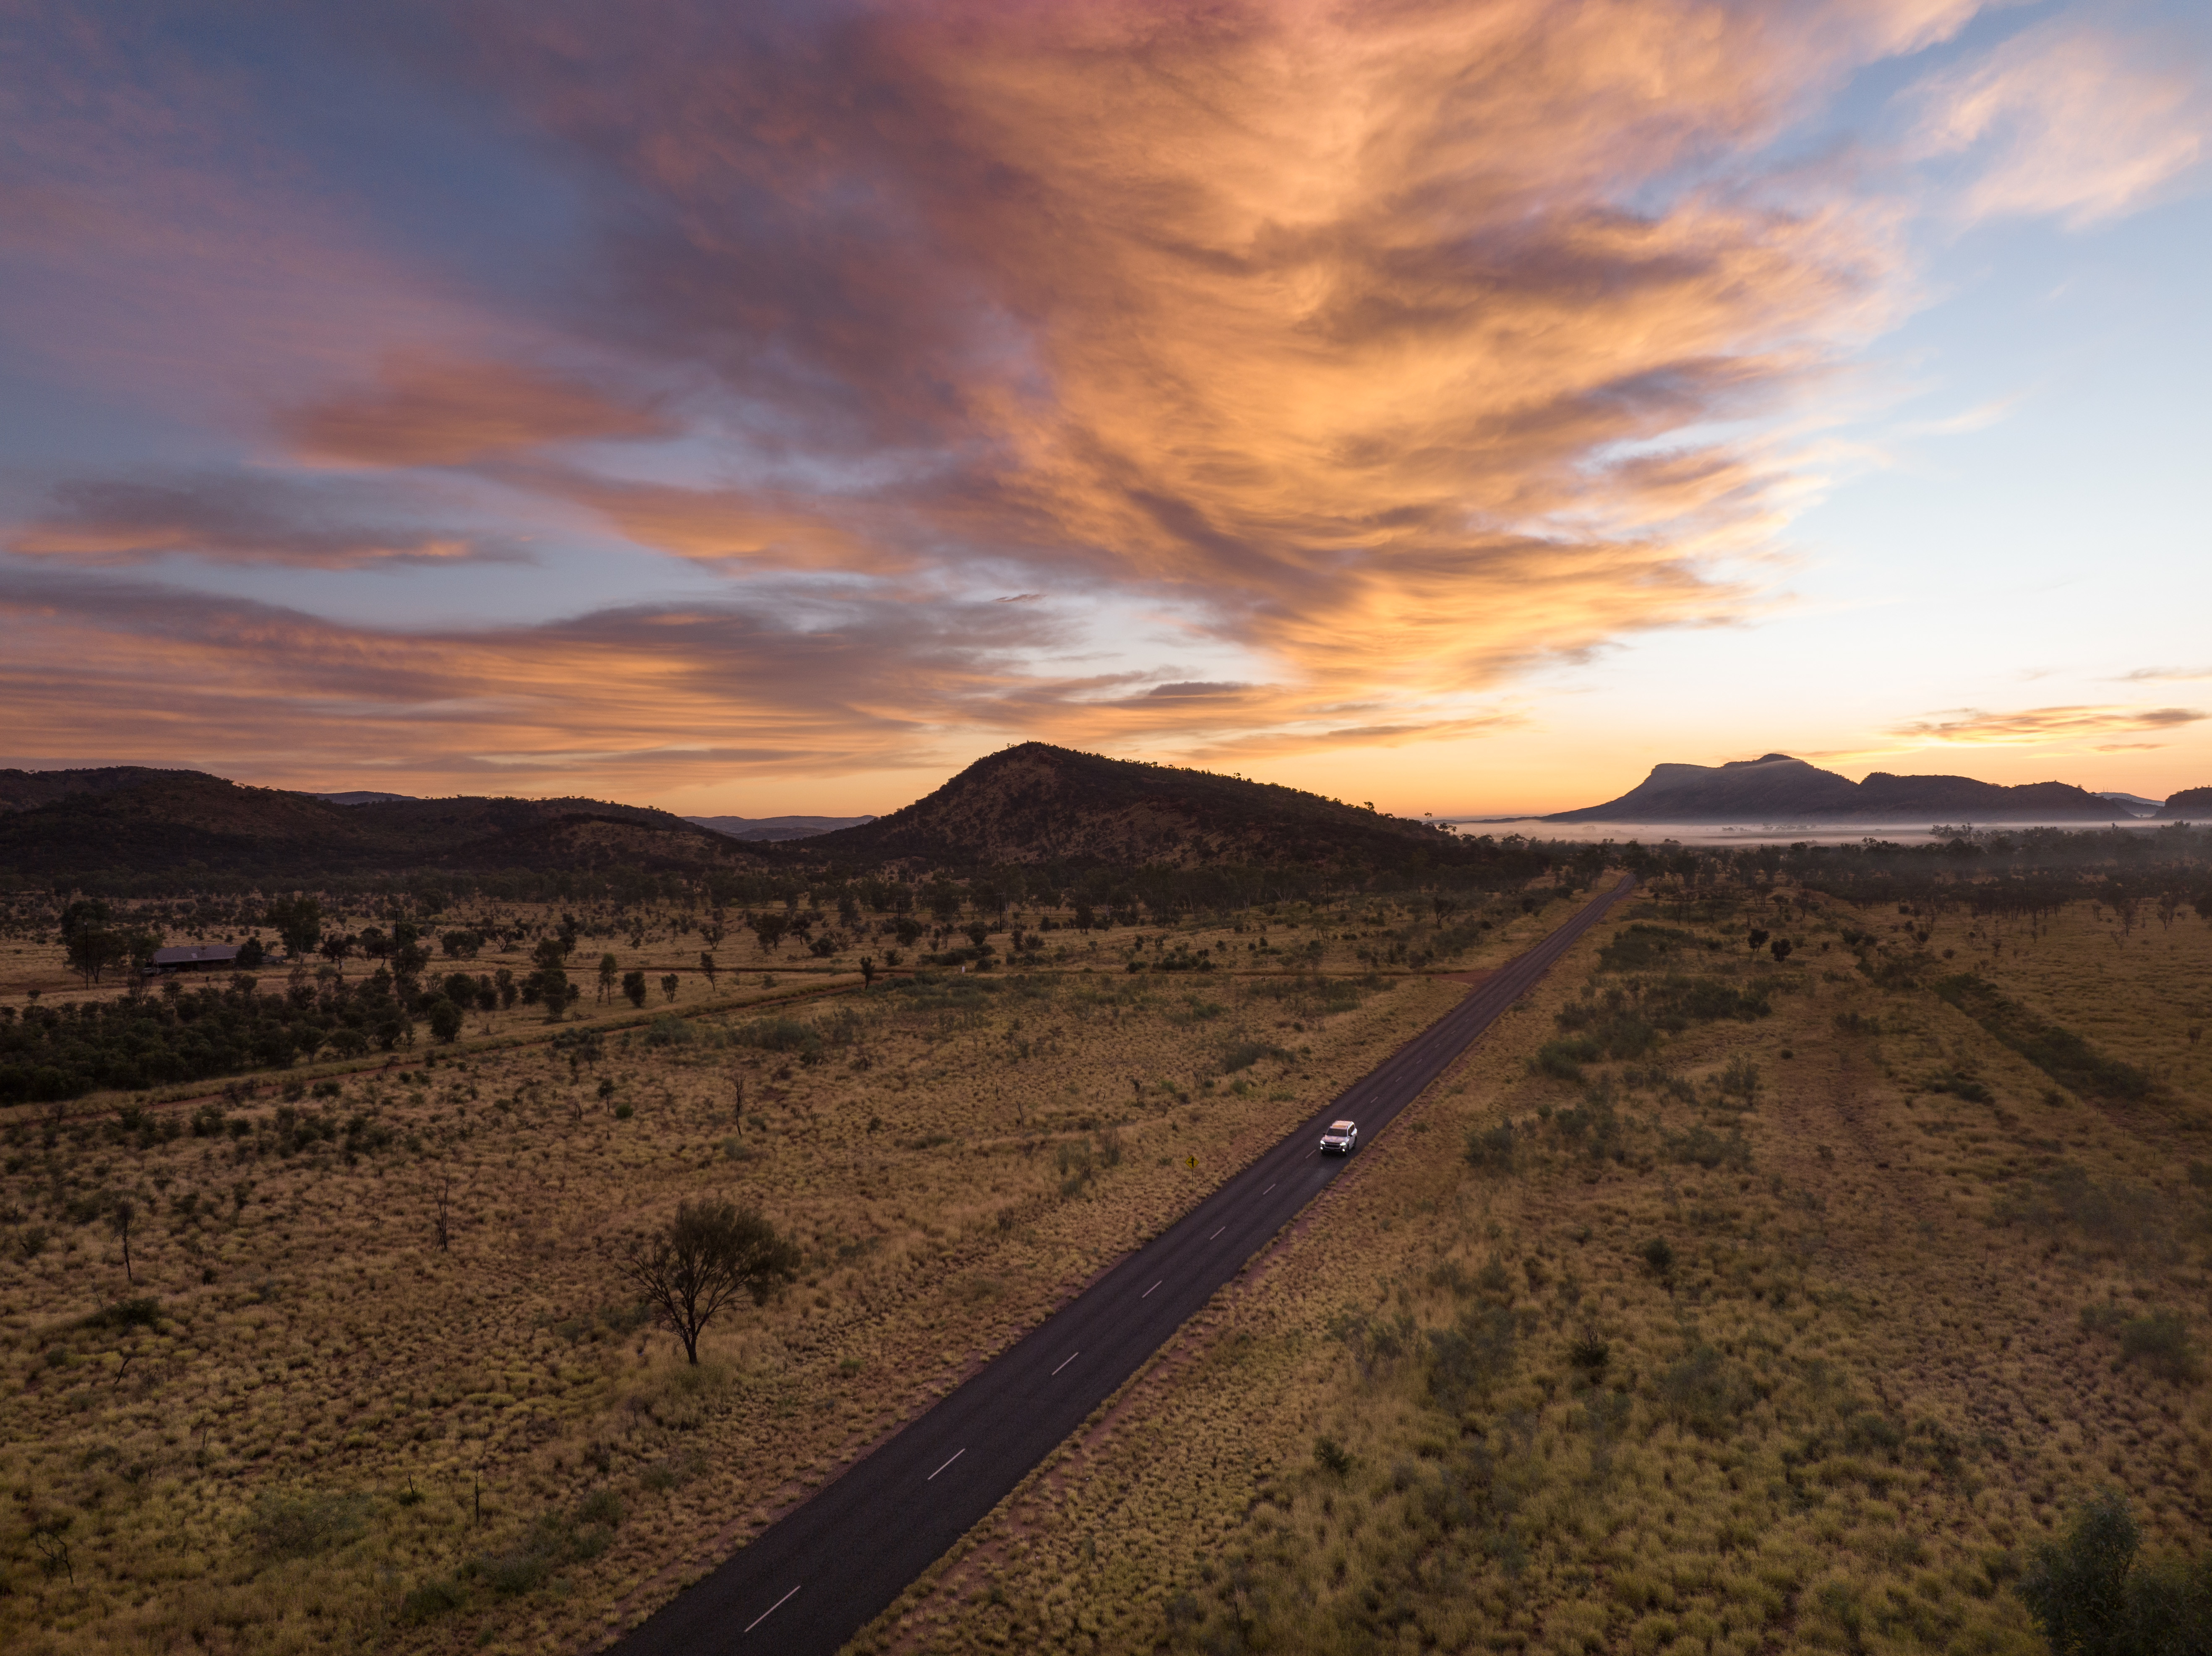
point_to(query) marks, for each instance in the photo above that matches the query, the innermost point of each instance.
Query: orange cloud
(427, 410)
(729, 527)
(1328, 328)
(1352, 352)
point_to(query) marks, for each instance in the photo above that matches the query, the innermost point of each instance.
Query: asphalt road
(820, 1573)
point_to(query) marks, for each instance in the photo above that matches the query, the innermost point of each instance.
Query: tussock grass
(377, 1379)
(1758, 1341)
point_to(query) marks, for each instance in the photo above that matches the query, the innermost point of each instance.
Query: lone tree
(708, 1255)
(633, 985)
(299, 922)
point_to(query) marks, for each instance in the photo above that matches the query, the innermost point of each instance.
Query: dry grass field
(1805, 1330)
(342, 1357)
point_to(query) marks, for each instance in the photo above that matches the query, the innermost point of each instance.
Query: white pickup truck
(1340, 1138)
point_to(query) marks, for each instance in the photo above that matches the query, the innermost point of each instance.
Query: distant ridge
(131, 826)
(364, 797)
(2134, 804)
(2191, 804)
(777, 828)
(1036, 804)
(1775, 787)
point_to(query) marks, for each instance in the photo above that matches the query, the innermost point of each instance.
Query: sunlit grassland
(1693, 1357)
(303, 1419)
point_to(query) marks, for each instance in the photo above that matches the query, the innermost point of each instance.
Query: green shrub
(2088, 1597)
(1491, 1148)
(1704, 1392)
(1468, 1357)
(1243, 1054)
(431, 1600)
(300, 1526)
(144, 1311)
(1709, 1149)
(669, 1029)
(2160, 1341)
(1563, 1059)
(779, 1035)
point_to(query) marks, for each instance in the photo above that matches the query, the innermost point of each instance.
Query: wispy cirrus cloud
(1251, 379)
(243, 518)
(2161, 675)
(2034, 726)
(2070, 119)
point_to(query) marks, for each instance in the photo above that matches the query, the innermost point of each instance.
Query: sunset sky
(761, 408)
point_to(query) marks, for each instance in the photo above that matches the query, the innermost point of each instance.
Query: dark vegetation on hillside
(143, 833)
(1036, 803)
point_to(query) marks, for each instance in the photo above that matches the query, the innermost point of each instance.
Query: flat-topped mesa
(1775, 788)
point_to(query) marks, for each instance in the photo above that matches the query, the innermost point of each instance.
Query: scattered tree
(707, 968)
(2088, 1596)
(444, 1018)
(610, 970)
(1781, 948)
(669, 985)
(298, 921)
(633, 985)
(708, 1255)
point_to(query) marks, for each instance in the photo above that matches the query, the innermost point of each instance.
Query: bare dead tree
(445, 1219)
(119, 1218)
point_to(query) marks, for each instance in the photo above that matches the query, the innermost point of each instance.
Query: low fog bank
(1727, 833)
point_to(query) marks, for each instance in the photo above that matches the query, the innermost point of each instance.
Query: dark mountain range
(1036, 804)
(777, 828)
(147, 825)
(2189, 806)
(1775, 788)
(27, 790)
(364, 797)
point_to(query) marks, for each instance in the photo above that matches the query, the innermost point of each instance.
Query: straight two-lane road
(819, 1574)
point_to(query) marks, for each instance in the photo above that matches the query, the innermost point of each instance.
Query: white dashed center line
(1217, 1233)
(770, 1611)
(956, 1453)
(1153, 1289)
(1067, 1360)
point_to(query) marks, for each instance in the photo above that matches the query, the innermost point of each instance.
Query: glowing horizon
(1461, 406)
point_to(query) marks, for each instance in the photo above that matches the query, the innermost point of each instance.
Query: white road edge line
(770, 1611)
(1153, 1289)
(1064, 1361)
(956, 1453)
